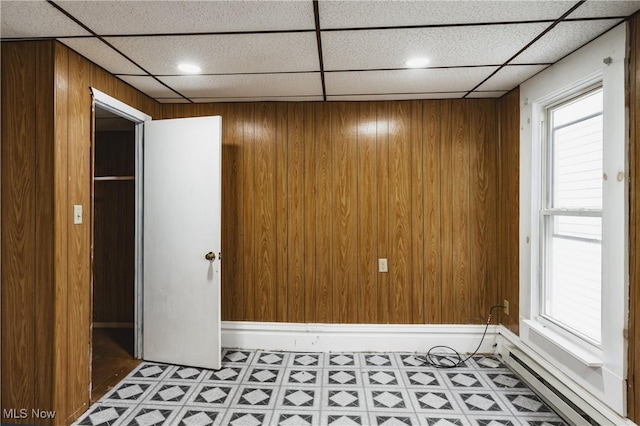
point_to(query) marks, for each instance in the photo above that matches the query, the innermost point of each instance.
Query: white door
(181, 288)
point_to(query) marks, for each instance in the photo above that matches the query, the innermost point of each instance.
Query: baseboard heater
(562, 398)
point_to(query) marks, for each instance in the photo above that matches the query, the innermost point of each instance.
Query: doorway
(180, 327)
(114, 242)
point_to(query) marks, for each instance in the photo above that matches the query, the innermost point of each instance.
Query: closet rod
(114, 178)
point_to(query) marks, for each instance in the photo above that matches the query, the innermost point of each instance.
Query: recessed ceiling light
(189, 68)
(417, 62)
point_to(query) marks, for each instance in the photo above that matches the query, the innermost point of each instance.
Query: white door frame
(117, 107)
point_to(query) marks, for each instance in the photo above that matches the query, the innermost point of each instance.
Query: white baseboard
(298, 337)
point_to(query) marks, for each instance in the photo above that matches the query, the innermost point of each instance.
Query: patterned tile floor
(288, 388)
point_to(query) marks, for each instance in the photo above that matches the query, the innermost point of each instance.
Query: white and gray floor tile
(288, 388)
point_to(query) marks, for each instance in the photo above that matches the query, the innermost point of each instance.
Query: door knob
(210, 256)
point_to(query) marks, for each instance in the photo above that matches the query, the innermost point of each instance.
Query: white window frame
(545, 192)
(601, 373)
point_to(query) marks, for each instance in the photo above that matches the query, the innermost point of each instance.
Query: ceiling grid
(315, 50)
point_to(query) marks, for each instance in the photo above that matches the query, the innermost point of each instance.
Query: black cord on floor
(449, 357)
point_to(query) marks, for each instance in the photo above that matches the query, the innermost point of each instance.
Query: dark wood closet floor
(112, 359)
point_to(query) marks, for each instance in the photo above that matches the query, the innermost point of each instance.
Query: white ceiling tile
(215, 54)
(605, 8)
(563, 39)
(172, 17)
(267, 65)
(362, 14)
(495, 94)
(397, 97)
(99, 53)
(264, 98)
(452, 46)
(246, 85)
(149, 86)
(35, 19)
(511, 76)
(405, 81)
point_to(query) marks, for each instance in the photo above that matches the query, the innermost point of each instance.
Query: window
(571, 216)
(574, 222)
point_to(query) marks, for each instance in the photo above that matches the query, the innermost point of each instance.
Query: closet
(113, 250)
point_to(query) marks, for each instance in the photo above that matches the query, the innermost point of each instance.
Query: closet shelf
(106, 178)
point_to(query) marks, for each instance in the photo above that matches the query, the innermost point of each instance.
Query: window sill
(589, 358)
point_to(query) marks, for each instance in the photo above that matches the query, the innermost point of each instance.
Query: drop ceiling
(317, 50)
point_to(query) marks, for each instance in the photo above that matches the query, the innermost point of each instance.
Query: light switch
(382, 265)
(77, 214)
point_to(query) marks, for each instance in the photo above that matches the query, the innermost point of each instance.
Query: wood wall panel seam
(323, 256)
(399, 217)
(61, 178)
(281, 212)
(508, 205)
(431, 216)
(295, 216)
(417, 212)
(78, 238)
(366, 190)
(382, 184)
(248, 217)
(309, 197)
(44, 231)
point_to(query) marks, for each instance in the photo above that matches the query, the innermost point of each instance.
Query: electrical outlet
(382, 265)
(506, 306)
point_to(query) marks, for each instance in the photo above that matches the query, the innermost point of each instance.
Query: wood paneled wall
(509, 207)
(314, 193)
(27, 210)
(74, 75)
(633, 102)
(46, 169)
